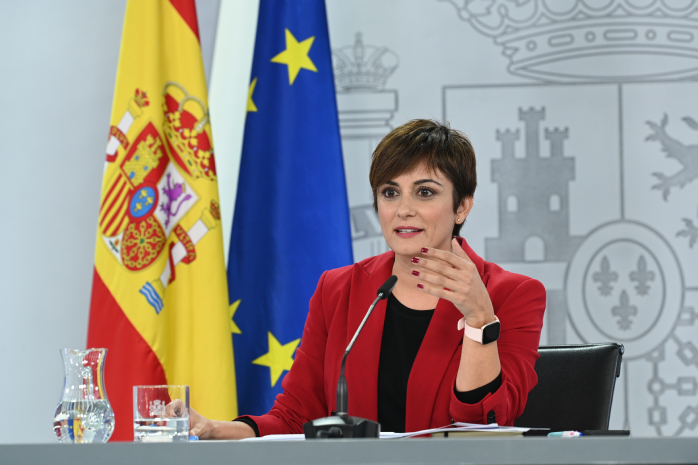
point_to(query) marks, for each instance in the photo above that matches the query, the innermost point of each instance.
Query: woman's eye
(424, 192)
(389, 193)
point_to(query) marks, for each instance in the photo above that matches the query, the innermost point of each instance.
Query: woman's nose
(406, 208)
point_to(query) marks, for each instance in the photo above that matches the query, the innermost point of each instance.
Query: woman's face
(416, 210)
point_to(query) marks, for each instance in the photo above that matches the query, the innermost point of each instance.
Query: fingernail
(415, 272)
(414, 260)
(425, 250)
(420, 285)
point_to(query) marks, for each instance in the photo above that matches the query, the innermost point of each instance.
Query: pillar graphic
(365, 110)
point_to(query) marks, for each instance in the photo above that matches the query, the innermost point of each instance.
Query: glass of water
(161, 413)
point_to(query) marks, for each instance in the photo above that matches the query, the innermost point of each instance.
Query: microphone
(342, 425)
(342, 393)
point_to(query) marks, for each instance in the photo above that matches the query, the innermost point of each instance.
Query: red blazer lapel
(440, 344)
(362, 363)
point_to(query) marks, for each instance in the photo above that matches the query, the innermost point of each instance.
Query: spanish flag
(159, 293)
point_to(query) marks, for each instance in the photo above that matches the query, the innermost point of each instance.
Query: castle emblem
(533, 196)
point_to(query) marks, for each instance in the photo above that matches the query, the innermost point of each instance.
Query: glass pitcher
(84, 414)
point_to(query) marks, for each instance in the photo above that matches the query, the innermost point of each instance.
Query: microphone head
(387, 287)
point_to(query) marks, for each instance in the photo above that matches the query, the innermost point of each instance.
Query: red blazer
(339, 304)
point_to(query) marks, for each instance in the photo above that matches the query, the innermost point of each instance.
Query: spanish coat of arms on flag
(159, 300)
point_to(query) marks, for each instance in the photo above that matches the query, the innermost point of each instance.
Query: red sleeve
(521, 318)
(303, 397)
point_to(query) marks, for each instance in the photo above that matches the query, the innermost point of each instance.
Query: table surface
(596, 450)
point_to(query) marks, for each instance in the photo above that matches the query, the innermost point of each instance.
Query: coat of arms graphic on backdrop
(587, 168)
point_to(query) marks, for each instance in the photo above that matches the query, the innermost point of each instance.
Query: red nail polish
(415, 272)
(414, 260)
(425, 250)
(420, 285)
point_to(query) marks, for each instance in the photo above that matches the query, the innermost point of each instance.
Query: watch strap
(473, 333)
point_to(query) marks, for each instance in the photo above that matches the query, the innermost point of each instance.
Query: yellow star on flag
(250, 104)
(295, 56)
(231, 310)
(279, 358)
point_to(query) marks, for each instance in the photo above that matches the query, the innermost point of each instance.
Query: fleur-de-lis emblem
(624, 312)
(605, 277)
(642, 276)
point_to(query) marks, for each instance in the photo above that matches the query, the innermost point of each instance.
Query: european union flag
(291, 219)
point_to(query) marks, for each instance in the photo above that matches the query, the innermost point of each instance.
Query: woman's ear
(464, 208)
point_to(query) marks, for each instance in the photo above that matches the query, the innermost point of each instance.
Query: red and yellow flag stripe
(159, 296)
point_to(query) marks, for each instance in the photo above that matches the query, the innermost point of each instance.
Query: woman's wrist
(480, 319)
(216, 429)
(230, 430)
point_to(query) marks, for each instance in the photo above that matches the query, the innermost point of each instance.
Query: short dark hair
(428, 142)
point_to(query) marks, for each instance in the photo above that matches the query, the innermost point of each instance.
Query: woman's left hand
(454, 277)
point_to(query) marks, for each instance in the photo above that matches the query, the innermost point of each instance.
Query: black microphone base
(344, 426)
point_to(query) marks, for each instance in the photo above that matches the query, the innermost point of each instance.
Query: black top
(403, 333)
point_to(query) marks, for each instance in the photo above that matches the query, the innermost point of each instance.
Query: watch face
(491, 332)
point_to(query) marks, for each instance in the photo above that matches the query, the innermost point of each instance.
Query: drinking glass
(161, 413)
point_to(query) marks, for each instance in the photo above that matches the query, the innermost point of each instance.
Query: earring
(458, 220)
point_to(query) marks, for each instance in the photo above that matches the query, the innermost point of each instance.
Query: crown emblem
(580, 40)
(186, 127)
(362, 67)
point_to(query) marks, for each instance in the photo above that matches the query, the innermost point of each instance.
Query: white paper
(491, 428)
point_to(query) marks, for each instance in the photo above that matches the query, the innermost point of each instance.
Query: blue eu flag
(291, 219)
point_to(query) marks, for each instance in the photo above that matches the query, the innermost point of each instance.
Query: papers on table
(460, 428)
(278, 437)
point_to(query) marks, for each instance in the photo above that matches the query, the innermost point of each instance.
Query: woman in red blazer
(423, 179)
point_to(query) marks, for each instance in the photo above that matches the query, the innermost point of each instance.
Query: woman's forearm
(229, 430)
(479, 365)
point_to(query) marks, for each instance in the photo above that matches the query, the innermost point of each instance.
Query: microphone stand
(341, 425)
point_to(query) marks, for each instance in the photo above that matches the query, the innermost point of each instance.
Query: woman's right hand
(204, 428)
(199, 425)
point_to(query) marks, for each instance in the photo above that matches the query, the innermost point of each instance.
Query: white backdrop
(582, 113)
(568, 87)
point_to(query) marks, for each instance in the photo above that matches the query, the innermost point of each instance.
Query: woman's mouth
(407, 232)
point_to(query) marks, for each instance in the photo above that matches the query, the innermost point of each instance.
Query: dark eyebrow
(423, 181)
(416, 183)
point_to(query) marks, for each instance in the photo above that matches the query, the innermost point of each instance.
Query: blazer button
(491, 417)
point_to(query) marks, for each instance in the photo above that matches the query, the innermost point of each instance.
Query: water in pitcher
(83, 421)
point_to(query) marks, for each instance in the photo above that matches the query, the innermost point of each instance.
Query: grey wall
(56, 82)
(58, 64)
